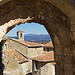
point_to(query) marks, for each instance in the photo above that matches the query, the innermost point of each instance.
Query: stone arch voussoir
(54, 20)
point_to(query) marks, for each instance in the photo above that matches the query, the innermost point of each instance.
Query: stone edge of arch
(66, 7)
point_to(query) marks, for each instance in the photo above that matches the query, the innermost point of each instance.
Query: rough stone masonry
(57, 16)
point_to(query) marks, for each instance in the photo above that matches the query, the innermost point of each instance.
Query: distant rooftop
(29, 44)
(49, 57)
(15, 56)
(50, 44)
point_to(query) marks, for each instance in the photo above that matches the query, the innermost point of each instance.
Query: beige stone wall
(40, 51)
(4, 47)
(29, 52)
(43, 69)
(33, 52)
(11, 66)
(15, 45)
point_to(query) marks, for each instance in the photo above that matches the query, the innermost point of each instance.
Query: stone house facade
(28, 49)
(44, 64)
(14, 63)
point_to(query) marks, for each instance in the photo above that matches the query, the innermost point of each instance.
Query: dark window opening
(21, 35)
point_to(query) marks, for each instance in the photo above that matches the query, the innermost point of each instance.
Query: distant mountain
(38, 38)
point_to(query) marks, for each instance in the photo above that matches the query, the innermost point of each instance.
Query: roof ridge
(30, 44)
(12, 53)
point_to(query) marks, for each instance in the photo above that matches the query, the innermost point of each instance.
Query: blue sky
(28, 28)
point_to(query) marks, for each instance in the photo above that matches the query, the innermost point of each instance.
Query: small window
(47, 49)
(21, 35)
(5, 46)
(35, 65)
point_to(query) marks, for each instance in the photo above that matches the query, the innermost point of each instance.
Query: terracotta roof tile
(53, 63)
(4, 38)
(50, 44)
(45, 57)
(15, 55)
(29, 44)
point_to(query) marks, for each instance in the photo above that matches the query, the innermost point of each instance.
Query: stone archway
(54, 20)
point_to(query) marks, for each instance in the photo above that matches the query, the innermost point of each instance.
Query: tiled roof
(15, 56)
(29, 44)
(49, 57)
(50, 44)
(4, 38)
(53, 63)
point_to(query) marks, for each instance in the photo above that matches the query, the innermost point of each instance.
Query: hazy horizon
(28, 28)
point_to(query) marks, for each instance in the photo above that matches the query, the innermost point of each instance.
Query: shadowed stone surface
(58, 20)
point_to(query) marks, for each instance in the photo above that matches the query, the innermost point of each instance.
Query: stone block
(73, 28)
(74, 36)
(68, 67)
(58, 51)
(68, 59)
(74, 68)
(68, 72)
(74, 52)
(66, 51)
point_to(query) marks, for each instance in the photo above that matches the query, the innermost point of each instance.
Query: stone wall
(4, 45)
(11, 67)
(33, 52)
(29, 52)
(18, 46)
(44, 68)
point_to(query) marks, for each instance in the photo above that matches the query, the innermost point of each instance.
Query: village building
(14, 62)
(27, 49)
(27, 57)
(44, 64)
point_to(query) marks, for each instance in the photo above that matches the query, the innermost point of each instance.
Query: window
(48, 49)
(5, 46)
(35, 65)
(21, 35)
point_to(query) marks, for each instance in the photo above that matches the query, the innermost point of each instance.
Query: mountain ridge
(37, 38)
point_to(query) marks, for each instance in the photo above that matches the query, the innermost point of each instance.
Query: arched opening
(21, 35)
(30, 29)
(40, 36)
(55, 21)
